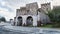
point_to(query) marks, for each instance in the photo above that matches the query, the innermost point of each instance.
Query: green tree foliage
(2, 19)
(55, 16)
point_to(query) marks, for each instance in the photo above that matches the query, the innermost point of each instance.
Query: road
(33, 31)
(28, 30)
(4, 31)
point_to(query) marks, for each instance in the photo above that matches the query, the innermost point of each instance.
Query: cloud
(8, 7)
(7, 10)
(56, 2)
(7, 14)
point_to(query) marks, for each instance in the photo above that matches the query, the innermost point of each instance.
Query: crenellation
(46, 7)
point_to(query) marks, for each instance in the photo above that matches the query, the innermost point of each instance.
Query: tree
(55, 16)
(3, 19)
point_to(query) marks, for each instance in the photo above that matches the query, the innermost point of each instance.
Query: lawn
(47, 26)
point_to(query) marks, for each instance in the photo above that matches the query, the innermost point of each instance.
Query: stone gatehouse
(32, 15)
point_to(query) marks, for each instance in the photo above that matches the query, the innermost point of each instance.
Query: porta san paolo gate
(32, 15)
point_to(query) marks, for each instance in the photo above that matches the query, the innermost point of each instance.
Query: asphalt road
(4, 31)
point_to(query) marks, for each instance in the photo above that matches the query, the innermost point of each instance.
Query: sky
(8, 7)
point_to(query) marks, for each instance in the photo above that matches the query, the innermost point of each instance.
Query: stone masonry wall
(32, 7)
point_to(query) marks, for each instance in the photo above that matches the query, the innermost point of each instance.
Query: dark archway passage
(19, 21)
(29, 21)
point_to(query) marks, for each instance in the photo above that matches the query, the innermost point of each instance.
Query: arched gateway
(29, 21)
(19, 21)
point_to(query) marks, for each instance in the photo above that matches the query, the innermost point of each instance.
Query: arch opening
(19, 21)
(29, 21)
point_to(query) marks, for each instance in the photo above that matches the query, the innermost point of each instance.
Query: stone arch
(29, 21)
(19, 21)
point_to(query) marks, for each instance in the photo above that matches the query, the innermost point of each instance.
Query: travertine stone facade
(21, 11)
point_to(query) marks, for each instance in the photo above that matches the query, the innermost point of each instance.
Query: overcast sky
(8, 7)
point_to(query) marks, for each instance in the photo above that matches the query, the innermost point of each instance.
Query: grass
(47, 26)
